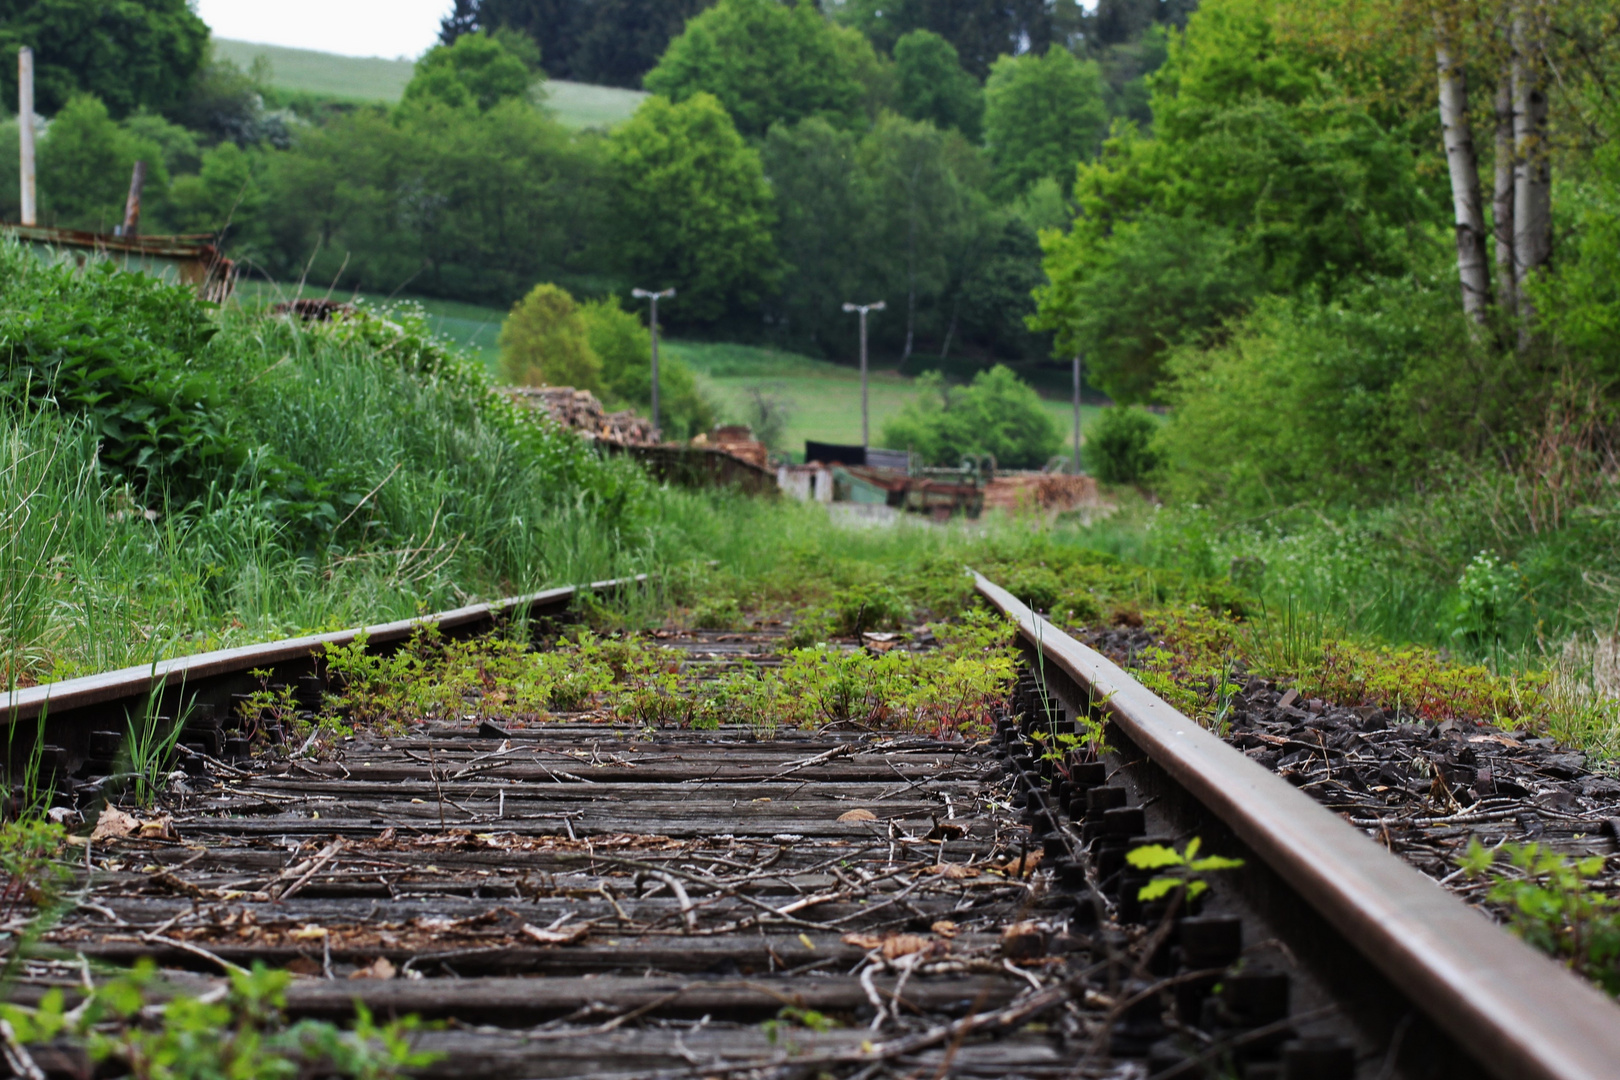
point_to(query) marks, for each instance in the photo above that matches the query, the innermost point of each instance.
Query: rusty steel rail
(73, 706)
(1516, 1011)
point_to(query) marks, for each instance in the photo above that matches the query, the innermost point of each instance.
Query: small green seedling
(1184, 868)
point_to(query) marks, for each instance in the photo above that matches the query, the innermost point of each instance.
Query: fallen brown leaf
(114, 824)
(862, 941)
(379, 968)
(1021, 868)
(904, 945)
(954, 871)
(857, 815)
(944, 928)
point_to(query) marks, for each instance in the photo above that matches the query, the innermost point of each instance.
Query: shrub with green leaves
(995, 414)
(1120, 445)
(242, 1034)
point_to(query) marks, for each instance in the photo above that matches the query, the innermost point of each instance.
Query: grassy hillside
(823, 399)
(375, 79)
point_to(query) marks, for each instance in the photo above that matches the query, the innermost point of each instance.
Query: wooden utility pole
(866, 439)
(644, 294)
(132, 205)
(25, 131)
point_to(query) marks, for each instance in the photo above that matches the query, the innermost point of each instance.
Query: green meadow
(370, 78)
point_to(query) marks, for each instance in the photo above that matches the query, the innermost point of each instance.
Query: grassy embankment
(354, 78)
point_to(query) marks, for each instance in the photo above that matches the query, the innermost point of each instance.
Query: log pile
(580, 410)
(1039, 491)
(738, 441)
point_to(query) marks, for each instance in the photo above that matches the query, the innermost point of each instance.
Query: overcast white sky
(387, 28)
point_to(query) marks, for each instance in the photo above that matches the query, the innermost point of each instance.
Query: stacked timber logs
(1039, 491)
(580, 410)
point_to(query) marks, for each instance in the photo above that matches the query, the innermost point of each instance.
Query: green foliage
(1264, 173)
(979, 30)
(625, 348)
(545, 342)
(498, 200)
(1186, 869)
(1345, 402)
(995, 414)
(124, 352)
(611, 42)
(225, 189)
(129, 53)
(1042, 116)
(241, 1034)
(765, 62)
(691, 206)
(1486, 592)
(35, 875)
(1554, 903)
(931, 85)
(84, 167)
(478, 71)
(1120, 442)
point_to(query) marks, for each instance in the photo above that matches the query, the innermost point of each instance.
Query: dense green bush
(544, 342)
(994, 414)
(1119, 446)
(126, 353)
(625, 348)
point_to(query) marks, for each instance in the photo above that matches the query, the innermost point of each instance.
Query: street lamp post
(863, 309)
(1077, 414)
(643, 294)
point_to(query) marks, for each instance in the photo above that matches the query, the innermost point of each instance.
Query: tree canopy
(766, 62)
(994, 414)
(690, 206)
(1043, 115)
(129, 53)
(479, 71)
(931, 85)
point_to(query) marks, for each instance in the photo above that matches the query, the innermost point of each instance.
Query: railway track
(579, 897)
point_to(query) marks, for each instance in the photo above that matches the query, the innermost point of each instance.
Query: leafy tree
(1120, 445)
(224, 194)
(1042, 116)
(823, 204)
(625, 348)
(691, 206)
(765, 61)
(980, 30)
(84, 167)
(479, 70)
(932, 85)
(225, 102)
(128, 53)
(917, 208)
(544, 342)
(1263, 176)
(452, 201)
(612, 42)
(995, 414)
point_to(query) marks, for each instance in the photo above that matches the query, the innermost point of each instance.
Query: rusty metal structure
(186, 260)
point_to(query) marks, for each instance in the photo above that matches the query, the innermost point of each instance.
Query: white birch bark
(1507, 295)
(1532, 172)
(1473, 269)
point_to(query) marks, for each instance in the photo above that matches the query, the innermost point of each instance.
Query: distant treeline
(790, 160)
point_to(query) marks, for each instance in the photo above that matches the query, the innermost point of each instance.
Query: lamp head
(852, 307)
(877, 306)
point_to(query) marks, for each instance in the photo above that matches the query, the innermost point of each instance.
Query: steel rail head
(1522, 1014)
(28, 703)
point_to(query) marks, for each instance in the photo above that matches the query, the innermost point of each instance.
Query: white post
(643, 294)
(25, 130)
(866, 440)
(1077, 414)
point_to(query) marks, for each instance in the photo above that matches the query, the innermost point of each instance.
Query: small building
(812, 482)
(184, 260)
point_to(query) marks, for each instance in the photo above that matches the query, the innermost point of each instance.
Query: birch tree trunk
(1507, 295)
(1473, 269)
(1532, 172)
